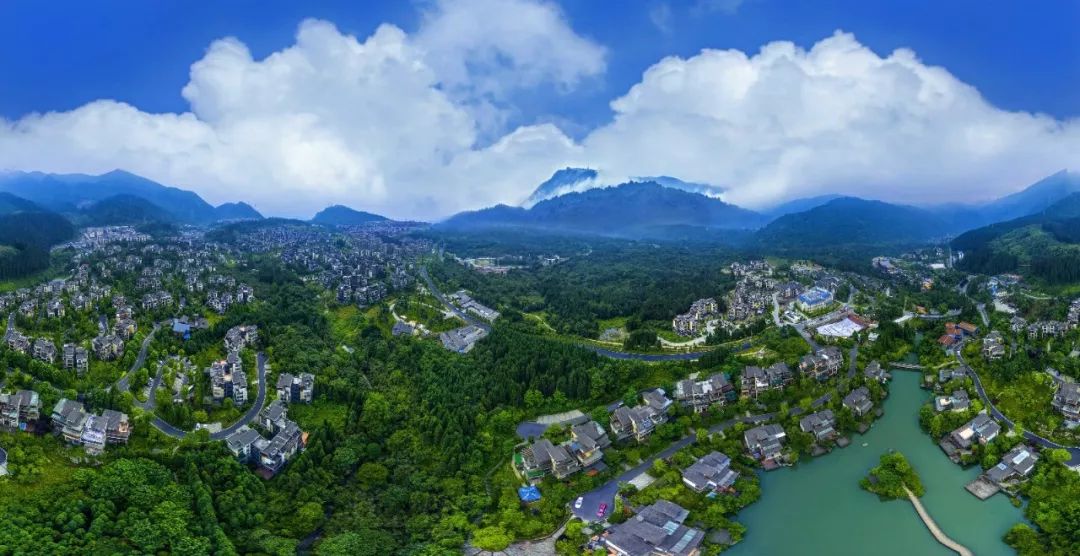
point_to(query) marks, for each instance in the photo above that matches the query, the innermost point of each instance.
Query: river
(817, 507)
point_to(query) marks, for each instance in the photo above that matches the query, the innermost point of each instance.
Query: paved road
(123, 384)
(1074, 451)
(450, 306)
(151, 399)
(605, 494)
(853, 357)
(250, 415)
(10, 325)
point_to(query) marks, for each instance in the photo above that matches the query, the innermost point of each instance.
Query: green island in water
(818, 506)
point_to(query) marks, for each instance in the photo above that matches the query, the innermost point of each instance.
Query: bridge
(912, 366)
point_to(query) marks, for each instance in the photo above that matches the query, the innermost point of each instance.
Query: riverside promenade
(934, 529)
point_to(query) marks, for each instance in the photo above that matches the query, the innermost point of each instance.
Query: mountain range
(635, 209)
(70, 193)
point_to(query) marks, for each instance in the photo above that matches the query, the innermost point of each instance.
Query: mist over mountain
(633, 209)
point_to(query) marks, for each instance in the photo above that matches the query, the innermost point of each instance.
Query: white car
(577, 503)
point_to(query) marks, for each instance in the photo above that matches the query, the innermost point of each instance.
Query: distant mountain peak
(561, 182)
(341, 215)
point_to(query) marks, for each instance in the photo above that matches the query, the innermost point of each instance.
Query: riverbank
(817, 507)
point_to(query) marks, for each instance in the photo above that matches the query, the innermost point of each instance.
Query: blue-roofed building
(529, 494)
(181, 328)
(814, 299)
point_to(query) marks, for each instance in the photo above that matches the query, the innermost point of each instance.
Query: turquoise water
(817, 507)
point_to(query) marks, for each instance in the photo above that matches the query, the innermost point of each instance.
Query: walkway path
(934, 529)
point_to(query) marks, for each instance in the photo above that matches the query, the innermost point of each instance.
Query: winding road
(123, 384)
(1074, 451)
(250, 415)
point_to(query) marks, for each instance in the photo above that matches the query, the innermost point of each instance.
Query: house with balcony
(700, 394)
(712, 472)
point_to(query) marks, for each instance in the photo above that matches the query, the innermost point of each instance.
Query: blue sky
(60, 56)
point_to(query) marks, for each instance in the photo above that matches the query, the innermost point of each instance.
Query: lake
(817, 507)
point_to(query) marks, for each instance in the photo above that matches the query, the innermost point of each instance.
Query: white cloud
(490, 47)
(660, 16)
(329, 119)
(788, 122)
(373, 123)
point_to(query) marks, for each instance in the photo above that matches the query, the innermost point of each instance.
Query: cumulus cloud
(788, 122)
(329, 119)
(381, 124)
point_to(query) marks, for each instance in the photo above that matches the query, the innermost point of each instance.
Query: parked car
(602, 510)
(578, 502)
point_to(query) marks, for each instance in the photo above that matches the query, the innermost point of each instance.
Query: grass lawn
(310, 416)
(1026, 400)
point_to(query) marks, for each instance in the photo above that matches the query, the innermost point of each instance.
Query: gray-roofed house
(821, 424)
(296, 389)
(1015, 466)
(587, 442)
(858, 401)
(712, 472)
(241, 443)
(873, 371)
(957, 402)
(656, 530)
(765, 442)
(1067, 401)
(700, 394)
(69, 418)
(632, 421)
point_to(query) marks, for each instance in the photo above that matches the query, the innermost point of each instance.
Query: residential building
(108, 347)
(765, 442)
(285, 443)
(240, 337)
(295, 389)
(712, 472)
(93, 435)
(693, 322)
(117, 427)
(1015, 466)
(993, 347)
(958, 402)
(658, 403)
(821, 424)
(632, 421)
(823, 364)
(543, 457)
(45, 350)
(17, 341)
(858, 401)
(700, 394)
(981, 429)
(756, 380)
(873, 371)
(242, 443)
(587, 442)
(18, 409)
(69, 419)
(656, 530)
(1067, 401)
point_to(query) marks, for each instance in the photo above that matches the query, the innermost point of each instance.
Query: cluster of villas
(656, 530)
(695, 321)
(276, 438)
(77, 426)
(270, 453)
(583, 450)
(227, 377)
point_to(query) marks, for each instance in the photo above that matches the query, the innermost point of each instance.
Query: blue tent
(529, 494)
